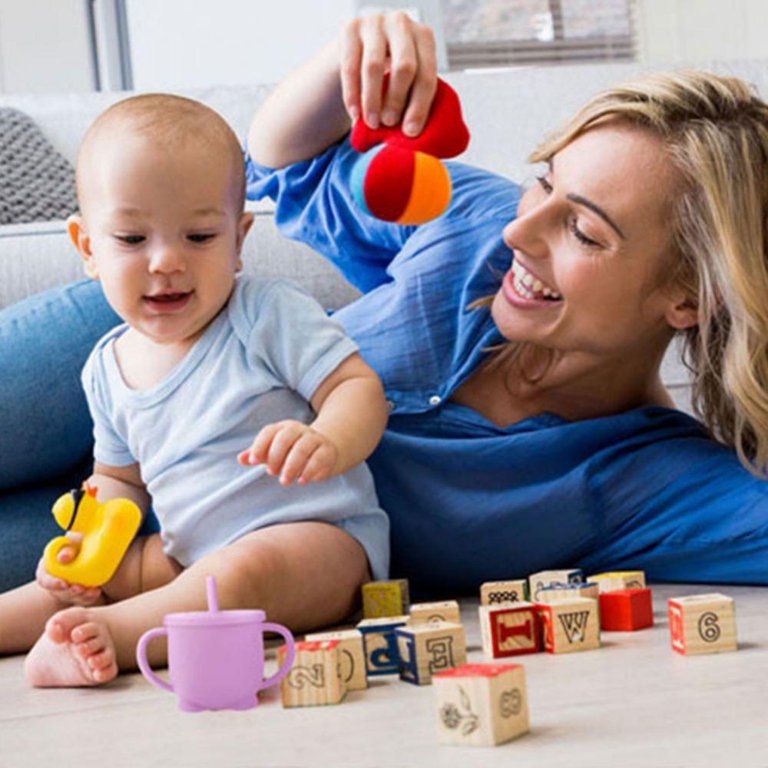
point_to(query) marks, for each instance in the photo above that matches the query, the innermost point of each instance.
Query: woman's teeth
(531, 287)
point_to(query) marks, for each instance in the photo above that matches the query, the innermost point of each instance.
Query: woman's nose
(528, 232)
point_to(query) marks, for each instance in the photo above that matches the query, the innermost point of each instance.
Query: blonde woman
(520, 335)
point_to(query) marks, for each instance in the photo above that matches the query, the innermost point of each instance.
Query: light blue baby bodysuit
(259, 361)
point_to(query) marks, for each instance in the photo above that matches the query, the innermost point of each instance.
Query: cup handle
(289, 656)
(141, 658)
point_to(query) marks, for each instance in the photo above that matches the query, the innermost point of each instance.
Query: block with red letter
(481, 704)
(425, 649)
(385, 598)
(626, 610)
(428, 613)
(702, 624)
(511, 591)
(351, 656)
(314, 677)
(570, 625)
(510, 629)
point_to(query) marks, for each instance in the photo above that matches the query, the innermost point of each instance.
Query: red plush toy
(399, 178)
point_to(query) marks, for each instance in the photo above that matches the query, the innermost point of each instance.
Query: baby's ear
(243, 226)
(80, 239)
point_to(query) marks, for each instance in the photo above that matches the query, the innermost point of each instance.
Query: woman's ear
(683, 312)
(82, 242)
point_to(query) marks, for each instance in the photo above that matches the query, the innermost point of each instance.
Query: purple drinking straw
(213, 598)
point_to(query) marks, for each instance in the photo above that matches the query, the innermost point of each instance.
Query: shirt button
(435, 400)
(391, 405)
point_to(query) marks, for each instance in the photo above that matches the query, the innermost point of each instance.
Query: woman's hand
(394, 43)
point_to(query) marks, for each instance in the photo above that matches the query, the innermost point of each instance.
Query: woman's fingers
(424, 84)
(372, 67)
(394, 43)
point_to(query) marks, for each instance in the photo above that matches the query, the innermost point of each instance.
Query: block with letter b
(428, 648)
(570, 625)
(381, 644)
(702, 624)
(481, 704)
(351, 656)
(385, 598)
(315, 675)
(510, 629)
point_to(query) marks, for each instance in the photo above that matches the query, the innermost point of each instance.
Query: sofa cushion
(36, 182)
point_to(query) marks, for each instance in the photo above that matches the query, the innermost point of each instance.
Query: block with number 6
(702, 624)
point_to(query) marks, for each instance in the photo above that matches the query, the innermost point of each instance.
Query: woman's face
(592, 244)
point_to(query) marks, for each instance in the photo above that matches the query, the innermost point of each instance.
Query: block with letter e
(510, 629)
(481, 704)
(570, 625)
(702, 624)
(428, 648)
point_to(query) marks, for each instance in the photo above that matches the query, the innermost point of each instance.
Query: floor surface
(633, 703)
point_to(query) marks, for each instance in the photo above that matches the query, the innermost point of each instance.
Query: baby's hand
(64, 591)
(293, 451)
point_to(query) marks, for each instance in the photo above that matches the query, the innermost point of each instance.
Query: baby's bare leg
(304, 575)
(24, 611)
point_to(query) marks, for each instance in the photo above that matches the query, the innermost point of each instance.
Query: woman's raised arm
(312, 108)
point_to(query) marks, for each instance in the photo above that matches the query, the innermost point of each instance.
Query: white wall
(226, 41)
(44, 46)
(698, 30)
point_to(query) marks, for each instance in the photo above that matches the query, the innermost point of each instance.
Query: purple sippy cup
(215, 658)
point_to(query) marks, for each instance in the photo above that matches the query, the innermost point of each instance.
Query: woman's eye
(201, 238)
(580, 236)
(130, 239)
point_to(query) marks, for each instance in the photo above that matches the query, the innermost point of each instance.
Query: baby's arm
(111, 483)
(351, 416)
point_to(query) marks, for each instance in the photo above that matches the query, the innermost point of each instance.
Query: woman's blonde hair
(716, 131)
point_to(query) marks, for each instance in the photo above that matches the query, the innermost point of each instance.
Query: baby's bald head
(166, 121)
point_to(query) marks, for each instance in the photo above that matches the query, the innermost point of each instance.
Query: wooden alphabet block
(613, 580)
(385, 598)
(351, 656)
(626, 610)
(425, 613)
(314, 677)
(567, 591)
(570, 625)
(702, 624)
(537, 581)
(381, 644)
(481, 704)
(512, 591)
(510, 629)
(428, 648)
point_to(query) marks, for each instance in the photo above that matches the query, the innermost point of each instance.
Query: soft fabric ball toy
(399, 178)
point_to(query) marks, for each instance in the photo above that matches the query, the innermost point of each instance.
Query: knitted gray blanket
(36, 182)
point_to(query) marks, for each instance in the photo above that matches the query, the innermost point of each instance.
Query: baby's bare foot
(76, 649)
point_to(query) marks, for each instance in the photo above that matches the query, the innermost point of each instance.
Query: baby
(238, 410)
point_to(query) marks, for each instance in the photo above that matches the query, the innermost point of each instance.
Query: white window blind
(497, 33)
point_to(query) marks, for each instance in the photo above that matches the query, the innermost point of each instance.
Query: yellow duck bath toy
(107, 530)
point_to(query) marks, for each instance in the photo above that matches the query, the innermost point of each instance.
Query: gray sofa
(507, 111)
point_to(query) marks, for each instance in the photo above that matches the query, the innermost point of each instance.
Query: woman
(520, 335)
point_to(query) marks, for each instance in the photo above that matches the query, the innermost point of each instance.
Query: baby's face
(164, 230)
